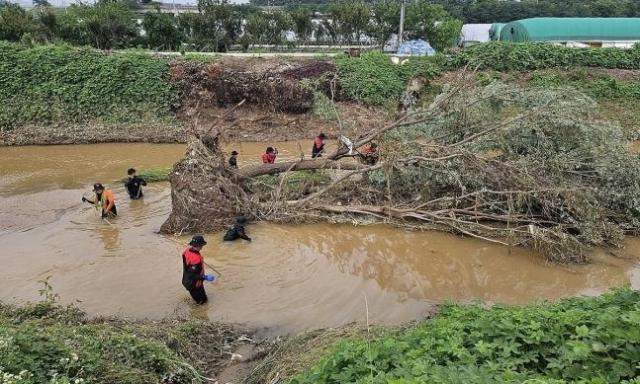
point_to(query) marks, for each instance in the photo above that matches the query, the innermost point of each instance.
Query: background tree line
(219, 25)
(490, 11)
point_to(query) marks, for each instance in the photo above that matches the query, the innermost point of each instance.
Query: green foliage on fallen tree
(580, 340)
(51, 84)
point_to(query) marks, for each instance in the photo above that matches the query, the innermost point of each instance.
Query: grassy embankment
(48, 343)
(580, 340)
(83, 95)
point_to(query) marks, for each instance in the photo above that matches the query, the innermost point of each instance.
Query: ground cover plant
(578, 340)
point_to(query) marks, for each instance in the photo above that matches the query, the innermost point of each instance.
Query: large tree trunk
(301, 165)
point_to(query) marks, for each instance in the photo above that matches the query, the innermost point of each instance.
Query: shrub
(503, 56)
(586, 340)
(57, 83)
(374, 79)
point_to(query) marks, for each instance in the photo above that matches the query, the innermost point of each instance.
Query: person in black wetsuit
(233, 160)
(134, 184)
(237, 231)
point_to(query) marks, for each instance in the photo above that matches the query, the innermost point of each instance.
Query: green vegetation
(154, 175)
(502, 56)
(218, 26)
(46, 85)
(490, 11)
(374, 79)
(579, 340)
(47, 343)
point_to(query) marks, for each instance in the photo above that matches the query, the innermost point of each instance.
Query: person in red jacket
(269, 157)
(193, 269)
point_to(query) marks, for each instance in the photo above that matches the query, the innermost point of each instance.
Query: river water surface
(288, 279)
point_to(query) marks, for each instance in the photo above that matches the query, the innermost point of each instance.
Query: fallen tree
(514, 166)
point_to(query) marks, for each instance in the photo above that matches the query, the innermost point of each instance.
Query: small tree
(106, 25)
(15, 22)
(162, 31)
(350, 18)
(386, 19)
(432, 23)
(302, 24)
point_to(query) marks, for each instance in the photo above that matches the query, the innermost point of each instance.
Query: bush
(374, 79)
(61, 84)
(503, 56)
(585, 340)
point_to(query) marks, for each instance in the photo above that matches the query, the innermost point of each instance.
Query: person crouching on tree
(193, 270)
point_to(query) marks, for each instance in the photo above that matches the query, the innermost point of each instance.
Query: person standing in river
(318, 145)
(193, 270)
(103, 200)
(134, 184)
(269, 157)
(233, 160)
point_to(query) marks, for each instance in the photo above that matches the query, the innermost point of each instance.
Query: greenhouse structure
(588, 32)
(494, 31)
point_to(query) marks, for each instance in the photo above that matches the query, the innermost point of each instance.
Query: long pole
(401, 29)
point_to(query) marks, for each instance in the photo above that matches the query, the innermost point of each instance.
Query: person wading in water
(269, 157)
(134, 184)
(104, 200)
(318, 146)
(237, 231)
(233, 160)
(193, 270)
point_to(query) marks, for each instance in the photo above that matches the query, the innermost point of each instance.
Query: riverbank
(592, 340)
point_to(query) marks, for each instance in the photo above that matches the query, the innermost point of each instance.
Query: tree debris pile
(203, 196)
(276, 90)
(509, 165)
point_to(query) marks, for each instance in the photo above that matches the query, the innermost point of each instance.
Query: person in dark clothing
(318, 145)
(233, 160)
(193, 270)
(134, 184)
(237, 231)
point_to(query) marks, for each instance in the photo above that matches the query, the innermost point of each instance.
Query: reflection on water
(288, 278)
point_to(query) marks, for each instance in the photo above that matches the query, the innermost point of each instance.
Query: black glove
(84, 199)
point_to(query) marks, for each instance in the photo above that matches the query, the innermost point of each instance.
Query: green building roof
(572, 29)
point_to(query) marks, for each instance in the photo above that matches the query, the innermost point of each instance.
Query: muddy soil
(93, 133)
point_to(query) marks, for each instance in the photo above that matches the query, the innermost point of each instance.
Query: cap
(98, 186)
(197, 240)
(234, 152)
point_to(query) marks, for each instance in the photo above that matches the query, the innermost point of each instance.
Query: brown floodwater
(288, 279)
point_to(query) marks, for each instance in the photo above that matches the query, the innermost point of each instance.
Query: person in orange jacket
(104, 200)
(193, 270)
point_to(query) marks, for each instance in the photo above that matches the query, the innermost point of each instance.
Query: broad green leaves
(582, 340)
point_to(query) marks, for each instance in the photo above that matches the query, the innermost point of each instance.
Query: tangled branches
(513, 166)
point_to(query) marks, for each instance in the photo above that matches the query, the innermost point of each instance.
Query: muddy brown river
(288, 279)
